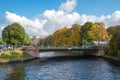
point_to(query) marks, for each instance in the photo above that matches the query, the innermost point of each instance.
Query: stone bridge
(34, 51)
(31, 50)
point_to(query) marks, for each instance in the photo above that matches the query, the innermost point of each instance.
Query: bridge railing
(59, 47)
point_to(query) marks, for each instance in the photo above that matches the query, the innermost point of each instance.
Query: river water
(60, 66)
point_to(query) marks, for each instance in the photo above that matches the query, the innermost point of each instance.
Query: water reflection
(17, 72)
(61, 68)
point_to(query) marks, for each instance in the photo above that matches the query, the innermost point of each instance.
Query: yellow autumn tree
(67, 36)
(98, 32)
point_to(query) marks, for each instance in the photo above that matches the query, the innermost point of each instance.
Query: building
(35, 40)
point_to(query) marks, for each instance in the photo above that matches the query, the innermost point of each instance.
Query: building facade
(35, 40)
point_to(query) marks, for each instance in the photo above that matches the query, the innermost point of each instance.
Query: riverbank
(15, 56)
(111, 58)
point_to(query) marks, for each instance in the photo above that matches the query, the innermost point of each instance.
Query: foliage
(1, 41)
(114, 42)
(27, 40)
(113, 53)
(112, 29)
(48, 41)
(14, 55)
(84, 35)
(64, 37)
(15, 34)
(67, 36)
(98, 32)
(77, 35)
(61, 37)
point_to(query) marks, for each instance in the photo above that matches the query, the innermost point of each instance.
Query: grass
(14, 55)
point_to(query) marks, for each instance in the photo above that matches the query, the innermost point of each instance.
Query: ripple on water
(57, 69)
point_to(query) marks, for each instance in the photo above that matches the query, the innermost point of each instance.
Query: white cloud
(51, 20)
(85, 18)
(110, 20)
(61, 18)
(68, 6)
(33, 27)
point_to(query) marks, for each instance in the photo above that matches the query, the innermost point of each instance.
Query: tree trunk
(13, 47)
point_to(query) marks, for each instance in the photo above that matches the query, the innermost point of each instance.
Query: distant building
(35, 40)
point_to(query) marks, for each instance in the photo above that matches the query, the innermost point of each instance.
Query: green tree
(86, 39)
(1, 41)
(114, 43)
(27, 40)
(112, 30)
(14, 34)
(48, 41)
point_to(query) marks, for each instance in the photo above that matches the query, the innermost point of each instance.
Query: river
(61, 66)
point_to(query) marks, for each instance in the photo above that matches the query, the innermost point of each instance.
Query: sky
(43, 17)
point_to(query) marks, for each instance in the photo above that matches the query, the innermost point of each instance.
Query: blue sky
(97, 7)
(43, 17)
(31, 8)
(28, 8)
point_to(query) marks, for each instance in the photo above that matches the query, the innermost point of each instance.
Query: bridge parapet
(34, 51)
(31, 50)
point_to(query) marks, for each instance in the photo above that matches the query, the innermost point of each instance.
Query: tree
(98, 32)
(27, 40)
(48, 41)
(114, 42)
(1, 41)
(14, 34)
(61, 37)
(64, 37)
(67, 36)
(112, 30)
(74, 36)
(84, 35)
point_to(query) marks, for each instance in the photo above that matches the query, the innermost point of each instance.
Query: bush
(118, 53)
(113, 53)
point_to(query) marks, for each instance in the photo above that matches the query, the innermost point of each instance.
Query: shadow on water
(68, 55)
(65, 55)
(63, 58)
(12, 71)
(75, 56)
(113, 62)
